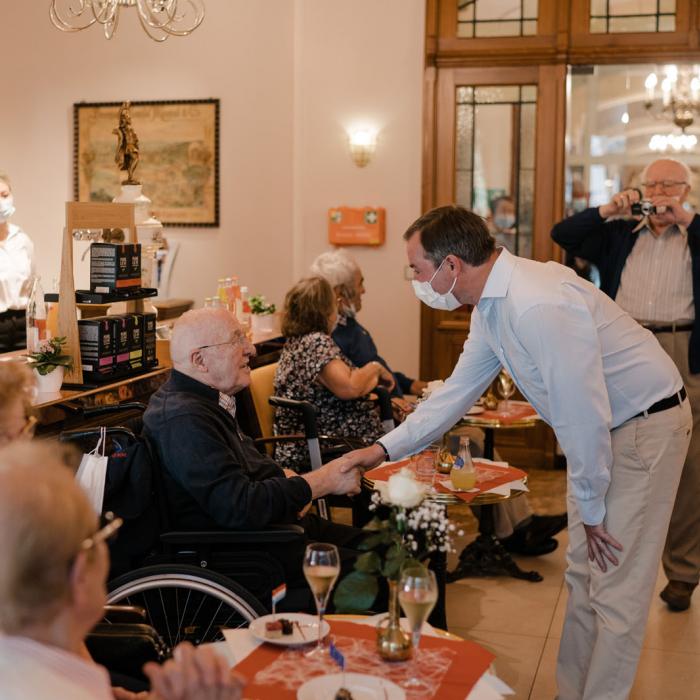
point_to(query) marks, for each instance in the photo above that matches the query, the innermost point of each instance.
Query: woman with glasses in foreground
(52, 592)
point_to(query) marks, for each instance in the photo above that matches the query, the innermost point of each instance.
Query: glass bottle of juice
(221, 291)
(244, 316)
(463, 474)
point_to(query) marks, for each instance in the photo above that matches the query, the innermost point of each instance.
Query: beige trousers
(607, 612)
(681, 557)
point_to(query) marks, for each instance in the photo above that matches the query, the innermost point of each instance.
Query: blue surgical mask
(503, 222)
(579, 204)
(7, 208)
(442, 302)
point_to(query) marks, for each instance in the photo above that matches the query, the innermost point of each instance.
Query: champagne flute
(506, 388)
(417, 594)
(321, 569)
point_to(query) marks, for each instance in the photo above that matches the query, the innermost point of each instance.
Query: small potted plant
(49, 363)
(262, 318)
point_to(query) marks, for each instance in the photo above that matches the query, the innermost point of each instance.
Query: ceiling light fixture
(680, 95)
(159, 18)
(675, 142)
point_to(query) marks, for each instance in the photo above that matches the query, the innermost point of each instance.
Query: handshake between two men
(342, 476)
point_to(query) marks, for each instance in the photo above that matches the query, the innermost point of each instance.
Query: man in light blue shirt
(614, 399)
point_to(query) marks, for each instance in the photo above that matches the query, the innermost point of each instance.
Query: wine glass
(417, 594)
(321, 569)
(506, 388)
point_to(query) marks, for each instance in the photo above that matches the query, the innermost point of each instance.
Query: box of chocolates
(115, 267)
(97, 347)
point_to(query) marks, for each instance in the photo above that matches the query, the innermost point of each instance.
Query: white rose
(403, 490)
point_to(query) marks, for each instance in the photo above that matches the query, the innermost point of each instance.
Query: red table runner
(453, 667)
(488, 476)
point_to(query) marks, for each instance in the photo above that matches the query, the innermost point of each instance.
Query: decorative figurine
(127, 153)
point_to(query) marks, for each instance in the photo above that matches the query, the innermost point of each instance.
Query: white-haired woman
(345, 276)
(16, 271)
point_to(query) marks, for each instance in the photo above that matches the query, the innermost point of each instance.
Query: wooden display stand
(86, 215)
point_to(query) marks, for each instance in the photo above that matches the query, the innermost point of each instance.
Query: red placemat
(453, 667)
(488, 476)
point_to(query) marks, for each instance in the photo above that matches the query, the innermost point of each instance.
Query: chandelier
(679, 98)
(675, 142)
(159, 18)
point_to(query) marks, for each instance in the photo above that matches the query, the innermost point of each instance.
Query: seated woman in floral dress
(312, 368)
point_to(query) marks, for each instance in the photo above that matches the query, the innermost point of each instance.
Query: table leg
(438, 564)
(486, 556)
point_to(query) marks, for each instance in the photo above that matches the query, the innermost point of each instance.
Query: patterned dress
(302, 360)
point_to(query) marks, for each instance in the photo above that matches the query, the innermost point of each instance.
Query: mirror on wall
(612, 133)
(620, 118)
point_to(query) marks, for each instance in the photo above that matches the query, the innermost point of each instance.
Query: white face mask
(579, 204)
(347, 309)
(504, 221)
(442, 302)
(7, 208)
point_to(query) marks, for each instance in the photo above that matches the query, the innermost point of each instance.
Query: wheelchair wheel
(186, 603)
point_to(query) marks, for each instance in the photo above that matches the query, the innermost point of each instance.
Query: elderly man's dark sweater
(214, 476)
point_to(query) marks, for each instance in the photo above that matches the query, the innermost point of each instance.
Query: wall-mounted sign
(356, 225)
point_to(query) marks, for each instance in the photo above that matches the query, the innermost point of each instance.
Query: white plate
(475, 411)
(362, 687)
(308, 624)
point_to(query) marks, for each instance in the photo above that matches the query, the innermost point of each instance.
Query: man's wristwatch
(386, 454)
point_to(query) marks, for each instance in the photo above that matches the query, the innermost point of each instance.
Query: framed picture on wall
(179, 157)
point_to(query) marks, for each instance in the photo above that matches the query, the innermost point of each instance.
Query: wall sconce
(363, 143)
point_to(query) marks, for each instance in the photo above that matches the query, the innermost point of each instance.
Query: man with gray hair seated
(213, 474)
(519, 529)
(52, 592)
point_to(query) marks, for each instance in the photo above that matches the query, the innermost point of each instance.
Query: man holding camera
(646, 246)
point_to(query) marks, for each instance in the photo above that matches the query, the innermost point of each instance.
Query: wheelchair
(192, 585)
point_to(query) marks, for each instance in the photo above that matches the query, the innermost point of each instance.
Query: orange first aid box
(356, 225)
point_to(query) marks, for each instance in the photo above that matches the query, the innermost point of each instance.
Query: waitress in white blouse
(16, 271)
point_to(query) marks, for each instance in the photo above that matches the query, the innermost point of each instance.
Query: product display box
(115, 267)
(117, 346)
(97, 347)
(120, 330)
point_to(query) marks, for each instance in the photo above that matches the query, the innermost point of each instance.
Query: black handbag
(124, 647)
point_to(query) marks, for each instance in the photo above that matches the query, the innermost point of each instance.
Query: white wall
(361, 62)
(291, 74)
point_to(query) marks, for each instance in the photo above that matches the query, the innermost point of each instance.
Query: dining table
(456, 668)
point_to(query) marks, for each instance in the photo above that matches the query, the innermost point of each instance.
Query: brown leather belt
(665, 404)
(672, 328)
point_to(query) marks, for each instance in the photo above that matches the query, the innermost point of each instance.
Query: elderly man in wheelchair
(213, 475)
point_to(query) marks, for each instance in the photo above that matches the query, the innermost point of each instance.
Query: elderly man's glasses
(238, 339)
(109, 525)
(665, 184)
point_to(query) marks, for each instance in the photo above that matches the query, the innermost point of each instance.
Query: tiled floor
(521, 621)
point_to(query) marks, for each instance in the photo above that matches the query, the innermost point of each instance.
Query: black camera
(643, 208)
